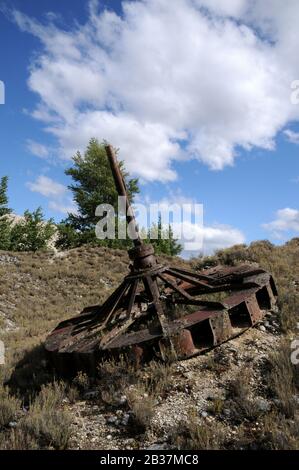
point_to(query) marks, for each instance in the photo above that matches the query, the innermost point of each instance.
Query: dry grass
(140, 387)
(195, 435)
(283, 380)
(241, 405)
(43, 425)
(38, 290)
(9, 407)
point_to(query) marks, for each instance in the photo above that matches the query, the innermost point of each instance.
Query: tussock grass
(38, 290)
(195, 435)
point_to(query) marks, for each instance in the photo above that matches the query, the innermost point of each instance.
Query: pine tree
(163, 239)
(92, 185)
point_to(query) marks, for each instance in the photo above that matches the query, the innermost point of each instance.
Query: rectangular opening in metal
(202, 335)
(263, 299)
(239, 316)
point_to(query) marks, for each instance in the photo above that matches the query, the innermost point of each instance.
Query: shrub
(32, 233)
(193, 435)
(9, 407)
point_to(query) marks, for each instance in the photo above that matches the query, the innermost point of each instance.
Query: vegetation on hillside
(30, 233)
(36, 409)
(92, 185)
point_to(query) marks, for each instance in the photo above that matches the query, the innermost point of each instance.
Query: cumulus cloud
(168, 80)
(292, 136)
(60, 200)
(37, 149)
(187, 221)
(286, 220)
(46, 187)
(62, 208)
(208, 239)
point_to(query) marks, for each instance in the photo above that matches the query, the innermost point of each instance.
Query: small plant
(277, 433)
(157, 377)
(141, 404)
(46, 422)
(217, 406)
(239, 402)
(193, 435)
(82, 381)
(283, 379)
(9, 407)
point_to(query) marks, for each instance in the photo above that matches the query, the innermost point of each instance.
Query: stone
(122, 400)
(12, 424)
(125, 419)
(263, 405)
(91, 394)
(204, 414)
(158, 446)
(112, 420)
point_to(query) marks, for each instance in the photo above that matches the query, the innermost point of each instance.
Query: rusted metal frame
(155, 332)
(118, 329)
(255, 313)
(108, 307)
(196, 290)
(187, 297)
(202, 303)
(237, 298)
(113, 303)
(175, 287)
(153, 271)
(132, 296)
(83, 344)
(153, 287)
(221, 327)
(197, 275)
(122, 191)
(184, 277)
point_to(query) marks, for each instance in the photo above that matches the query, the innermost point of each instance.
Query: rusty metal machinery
(162, 311)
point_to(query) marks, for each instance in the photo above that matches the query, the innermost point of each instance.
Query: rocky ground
(242, 394)
(199, 384)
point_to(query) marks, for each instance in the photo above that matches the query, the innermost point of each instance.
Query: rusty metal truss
(162, 311)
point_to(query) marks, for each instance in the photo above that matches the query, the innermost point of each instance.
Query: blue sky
(196, 95)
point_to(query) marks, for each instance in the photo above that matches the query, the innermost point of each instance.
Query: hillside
(243, 394)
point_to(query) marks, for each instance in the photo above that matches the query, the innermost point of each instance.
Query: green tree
(92, 185)
(67, 236)
(33, 233)
(163, 239)
(5, 223)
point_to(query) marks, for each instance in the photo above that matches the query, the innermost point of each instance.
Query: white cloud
(213, 238)
(60, 199)
(47, 187)
(167, 80)
(286, 220)
(292, 136)
(37, 149)
(234, 8)
(62, 208)
(188, 224)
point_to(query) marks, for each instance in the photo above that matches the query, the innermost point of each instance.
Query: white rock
(111, 420)
(263, 405)
(12, 424)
